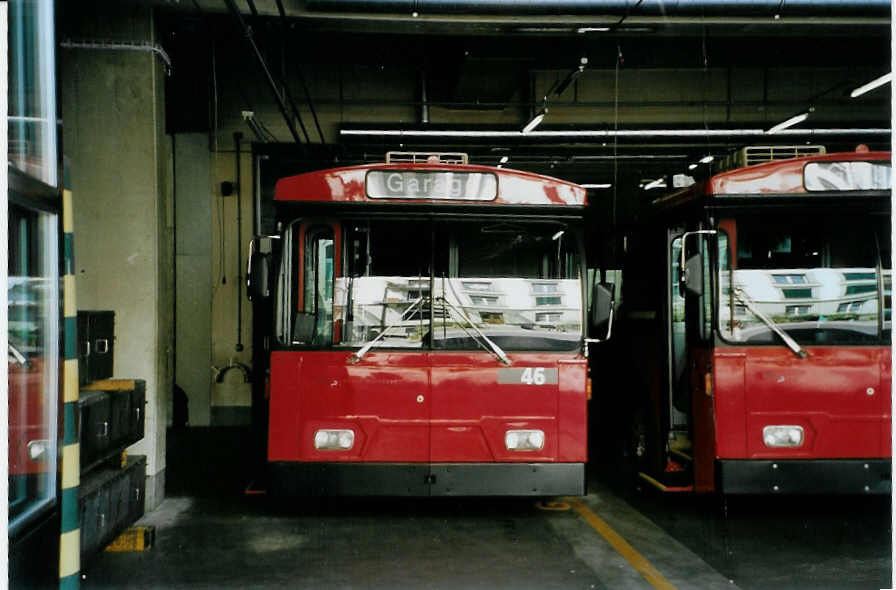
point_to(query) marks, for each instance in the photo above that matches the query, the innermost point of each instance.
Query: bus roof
(782, 176)
(779, 177)
(407, 183)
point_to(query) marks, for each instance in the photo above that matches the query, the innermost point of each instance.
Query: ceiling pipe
(630, 8)
(247, 32)
(609, 133)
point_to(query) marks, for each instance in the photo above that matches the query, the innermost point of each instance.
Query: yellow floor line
(637, 560)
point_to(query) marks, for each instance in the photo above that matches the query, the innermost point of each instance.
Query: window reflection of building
(816, 276)
(508, 304)
(516, 288)
(824, 299)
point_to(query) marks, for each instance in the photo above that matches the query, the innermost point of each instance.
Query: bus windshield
(823, 279)
(445, 285)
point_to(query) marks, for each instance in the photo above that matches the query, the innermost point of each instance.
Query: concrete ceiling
(743, 19)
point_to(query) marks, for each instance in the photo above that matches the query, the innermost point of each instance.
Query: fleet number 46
(533, 376)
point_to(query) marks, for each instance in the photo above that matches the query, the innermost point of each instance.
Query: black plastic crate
(110, 500)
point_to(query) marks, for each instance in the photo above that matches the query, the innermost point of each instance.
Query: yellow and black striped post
(70, 533)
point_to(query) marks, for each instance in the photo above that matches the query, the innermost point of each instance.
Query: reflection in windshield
(817, 278)
(517, 284)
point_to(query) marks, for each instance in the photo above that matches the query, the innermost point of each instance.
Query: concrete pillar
(112, 106)
(193, 206)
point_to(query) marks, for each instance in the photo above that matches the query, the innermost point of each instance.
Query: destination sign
(431, 184)
(847, 176)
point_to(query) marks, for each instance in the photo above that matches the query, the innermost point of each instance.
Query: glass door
(32, 361)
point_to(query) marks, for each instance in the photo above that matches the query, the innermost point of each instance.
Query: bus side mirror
(257, 285)
(258, 275)
(601, 306)
(692, 268)
(692, 275)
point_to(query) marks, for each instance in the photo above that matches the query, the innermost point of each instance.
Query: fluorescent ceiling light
(658, 183)
(706, 159)
(609, 133)
(536, 120)
(592, 29)
(885, 79)
(789, 122)
(503, 160)
(597, 185)
(692, 166)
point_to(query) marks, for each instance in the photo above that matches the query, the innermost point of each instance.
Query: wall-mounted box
(96, 345)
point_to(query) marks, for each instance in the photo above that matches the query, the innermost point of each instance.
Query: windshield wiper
(16, 355)
(495, 349)
(367, 346)
(790, 342)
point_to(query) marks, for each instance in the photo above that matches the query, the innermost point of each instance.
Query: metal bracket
(126, 45)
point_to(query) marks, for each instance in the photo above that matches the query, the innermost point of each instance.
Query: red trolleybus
(771, 372)
(428, 331)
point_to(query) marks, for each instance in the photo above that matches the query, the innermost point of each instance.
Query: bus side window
(313, 323)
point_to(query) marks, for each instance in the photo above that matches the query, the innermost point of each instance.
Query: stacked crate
(111, 419)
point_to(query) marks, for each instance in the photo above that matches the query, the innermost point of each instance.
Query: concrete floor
(223, 539)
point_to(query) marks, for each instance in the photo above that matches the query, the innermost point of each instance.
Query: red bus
(428, 332)
(760, 303)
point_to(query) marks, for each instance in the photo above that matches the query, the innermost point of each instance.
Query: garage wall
(113, 111)
(209, 368)
(230, 396)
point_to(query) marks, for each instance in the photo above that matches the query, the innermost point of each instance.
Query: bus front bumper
(426, 479)
(811, 476)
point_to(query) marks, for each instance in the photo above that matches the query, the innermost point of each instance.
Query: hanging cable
(283, 38)
(237, 138)
(220, 204)
(619, 60)
(706, 83)
(628, 11)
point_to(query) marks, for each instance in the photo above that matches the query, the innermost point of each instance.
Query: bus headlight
(524, 440)
(783, 436)
(334, 440)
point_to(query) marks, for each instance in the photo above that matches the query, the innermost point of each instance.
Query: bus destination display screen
(847, 176)
(410, 184)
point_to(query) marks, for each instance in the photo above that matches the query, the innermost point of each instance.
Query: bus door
(678, 377)
(692, 438)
